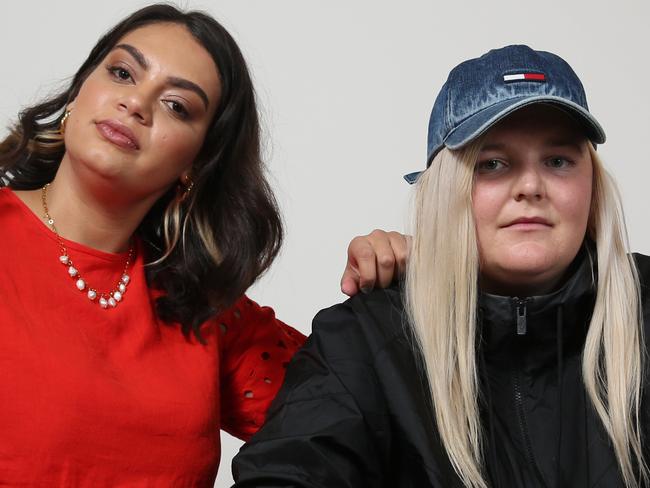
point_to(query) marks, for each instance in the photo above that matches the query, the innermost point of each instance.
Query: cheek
(574, 203)
(487, 202)
(92, 95)
(90, 104)
(175, 146)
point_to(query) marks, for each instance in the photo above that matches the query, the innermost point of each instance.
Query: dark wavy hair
(202, 251)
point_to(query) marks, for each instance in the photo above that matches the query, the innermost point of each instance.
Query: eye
(120, 73)
(559, 162)
(490, 166)
(178, 108)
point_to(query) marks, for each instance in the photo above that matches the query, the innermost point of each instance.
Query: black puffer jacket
(354, 409)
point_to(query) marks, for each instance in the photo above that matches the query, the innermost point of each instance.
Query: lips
(118, 133)
(529, 223)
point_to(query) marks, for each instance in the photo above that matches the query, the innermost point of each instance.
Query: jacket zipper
(520, 304)
(519, 405)
(521, 316)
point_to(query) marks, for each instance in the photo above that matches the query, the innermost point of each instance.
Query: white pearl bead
(125, 279)
(81, 284)
(92, 294)
(103, 302)
(117, 295)
(72, 271)
(64, 259)
(112, 302)
(122, 287)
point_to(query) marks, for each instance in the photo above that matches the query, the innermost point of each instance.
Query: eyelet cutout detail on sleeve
(256, 349)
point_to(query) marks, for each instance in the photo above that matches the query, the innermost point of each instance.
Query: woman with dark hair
(514, 355)
(136, 214)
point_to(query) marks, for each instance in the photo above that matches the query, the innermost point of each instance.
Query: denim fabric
(476, 96)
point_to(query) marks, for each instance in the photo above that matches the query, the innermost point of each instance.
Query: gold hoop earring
(63, 122)
(185, 190)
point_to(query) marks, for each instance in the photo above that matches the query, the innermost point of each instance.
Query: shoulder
(349, 353)
(643, 266)
(362, 325)
(8, 200)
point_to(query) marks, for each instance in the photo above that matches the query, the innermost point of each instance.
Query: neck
(515, 289)
(525, 285)
(97, 219)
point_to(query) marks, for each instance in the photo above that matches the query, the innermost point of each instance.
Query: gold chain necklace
(105, 300)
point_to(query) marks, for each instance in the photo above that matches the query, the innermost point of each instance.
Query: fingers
(384, 257)
(401, 246)
(375, 260)
(362, 263)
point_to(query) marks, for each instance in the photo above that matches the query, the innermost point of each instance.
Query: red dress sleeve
(255, 350)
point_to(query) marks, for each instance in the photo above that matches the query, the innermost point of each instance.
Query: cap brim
(412, 178)
(476, 125)
(480, 122)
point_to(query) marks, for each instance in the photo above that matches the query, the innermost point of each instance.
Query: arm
(256, 346)
(255, 350)
(328, 426)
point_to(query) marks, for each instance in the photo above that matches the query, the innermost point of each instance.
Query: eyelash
(566, 160)
(182, 113)
(115, 72)
(481, 166)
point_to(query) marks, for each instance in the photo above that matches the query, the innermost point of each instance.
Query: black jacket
(355, 412)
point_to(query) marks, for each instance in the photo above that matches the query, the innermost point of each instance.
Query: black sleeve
(328, 426)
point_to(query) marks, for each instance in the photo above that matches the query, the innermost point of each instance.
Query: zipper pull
(521, 317)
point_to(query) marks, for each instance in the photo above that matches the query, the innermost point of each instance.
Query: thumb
(350, 281)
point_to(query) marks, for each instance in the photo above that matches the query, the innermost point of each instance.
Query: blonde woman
(513, 355)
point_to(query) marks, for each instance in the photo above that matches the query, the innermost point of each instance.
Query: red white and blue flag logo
(539, 77)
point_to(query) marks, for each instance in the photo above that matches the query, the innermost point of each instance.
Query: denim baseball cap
(480, 92)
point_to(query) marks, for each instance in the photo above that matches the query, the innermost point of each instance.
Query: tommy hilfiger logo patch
(539, 77)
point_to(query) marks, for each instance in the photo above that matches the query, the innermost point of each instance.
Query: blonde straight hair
(441, 301)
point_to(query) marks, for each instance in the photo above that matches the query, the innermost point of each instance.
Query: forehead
(538, 121)
(171, 50)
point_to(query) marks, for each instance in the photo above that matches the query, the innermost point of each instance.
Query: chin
(106, 164)
(530, 267)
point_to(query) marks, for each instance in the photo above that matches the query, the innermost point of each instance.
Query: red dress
(92, 397)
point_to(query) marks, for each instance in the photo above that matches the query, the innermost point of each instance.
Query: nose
(529, 184)
(137, 104)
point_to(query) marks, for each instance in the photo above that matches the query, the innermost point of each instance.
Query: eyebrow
(565, 143)
(188, 85)
(499, 146)
(493, 147)
(174, 81)
(136, 53)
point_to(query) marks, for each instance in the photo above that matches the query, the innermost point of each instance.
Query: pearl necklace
(106, 300)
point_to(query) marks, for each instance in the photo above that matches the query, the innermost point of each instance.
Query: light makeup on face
(497, 158)
(182, 107)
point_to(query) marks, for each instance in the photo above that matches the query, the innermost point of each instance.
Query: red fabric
(93, 397)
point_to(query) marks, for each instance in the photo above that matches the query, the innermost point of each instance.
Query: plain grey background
(345, 89)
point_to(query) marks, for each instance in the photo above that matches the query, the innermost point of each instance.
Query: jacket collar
(505, 322)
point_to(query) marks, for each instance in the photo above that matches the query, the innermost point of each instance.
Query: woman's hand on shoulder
(374, 260)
